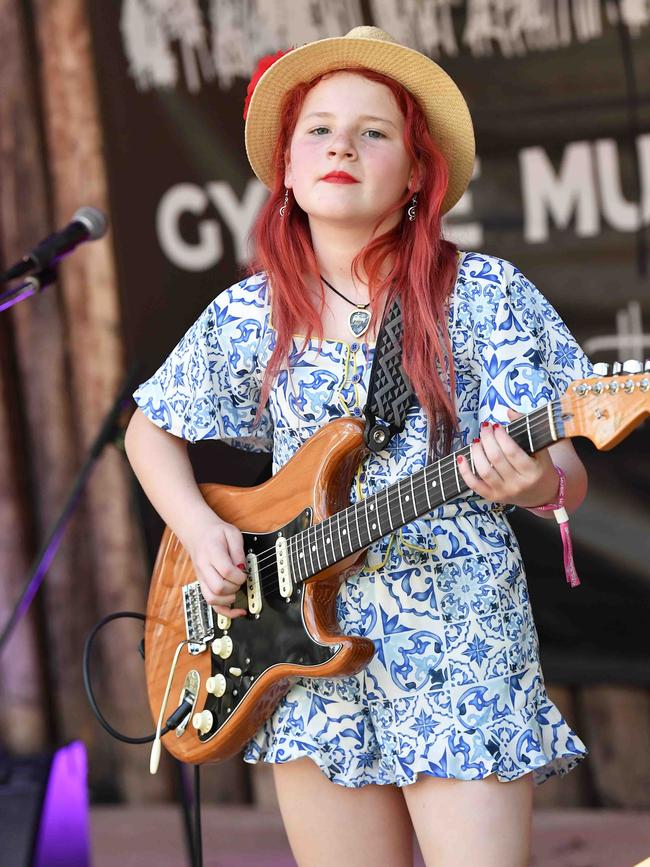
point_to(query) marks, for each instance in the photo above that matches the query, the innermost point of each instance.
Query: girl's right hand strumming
(217, 553)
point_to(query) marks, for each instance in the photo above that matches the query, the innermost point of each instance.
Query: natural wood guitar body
(317, 477)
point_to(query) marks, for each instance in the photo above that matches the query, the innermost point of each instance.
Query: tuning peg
(601, 369)
(632, 366)
(647, 364)
(616, 367)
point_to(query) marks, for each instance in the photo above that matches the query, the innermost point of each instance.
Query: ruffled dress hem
(558, 767)
(466, 756)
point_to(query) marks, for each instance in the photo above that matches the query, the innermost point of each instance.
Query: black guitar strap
(389, 391)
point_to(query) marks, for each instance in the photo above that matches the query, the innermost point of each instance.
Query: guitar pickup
(253, 590)
(285, 582)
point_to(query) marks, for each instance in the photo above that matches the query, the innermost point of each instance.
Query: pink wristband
(562, 518)
(561, 494)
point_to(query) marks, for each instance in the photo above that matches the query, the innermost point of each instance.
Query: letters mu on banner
(561, 187)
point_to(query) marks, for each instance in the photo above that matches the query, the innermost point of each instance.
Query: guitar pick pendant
(359, 321)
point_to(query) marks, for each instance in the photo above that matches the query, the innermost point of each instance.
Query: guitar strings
(423, 483)
(445, 468)
(308, 536)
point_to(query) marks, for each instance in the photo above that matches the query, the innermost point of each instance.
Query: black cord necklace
(359, 319)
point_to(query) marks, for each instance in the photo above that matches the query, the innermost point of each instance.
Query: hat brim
(443, 104)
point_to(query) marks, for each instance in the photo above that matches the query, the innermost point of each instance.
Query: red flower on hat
(263, 64)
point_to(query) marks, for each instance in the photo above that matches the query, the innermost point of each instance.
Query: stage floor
(152, 836)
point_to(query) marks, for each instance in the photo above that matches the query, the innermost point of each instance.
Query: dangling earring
(412, 209)
(283, 209)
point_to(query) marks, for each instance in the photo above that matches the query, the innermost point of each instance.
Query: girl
(365, 144)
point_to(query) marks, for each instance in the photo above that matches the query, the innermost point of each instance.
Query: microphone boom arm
(31, 286)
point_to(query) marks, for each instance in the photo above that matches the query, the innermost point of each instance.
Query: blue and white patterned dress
(455, 687)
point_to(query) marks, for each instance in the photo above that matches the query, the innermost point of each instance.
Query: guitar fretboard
(368, 520)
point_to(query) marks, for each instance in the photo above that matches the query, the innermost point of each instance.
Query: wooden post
(22, 717)
(41, 400)
(78, 176)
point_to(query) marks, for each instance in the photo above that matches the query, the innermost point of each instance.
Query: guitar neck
(364, 522)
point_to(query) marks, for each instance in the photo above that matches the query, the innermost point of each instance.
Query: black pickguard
(276, 635)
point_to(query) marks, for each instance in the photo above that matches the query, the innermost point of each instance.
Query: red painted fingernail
(486, 424)
(459, 459)
(476, 440)
(495, 426)
(242, 566)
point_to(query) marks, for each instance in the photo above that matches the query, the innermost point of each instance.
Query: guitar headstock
(605, 407)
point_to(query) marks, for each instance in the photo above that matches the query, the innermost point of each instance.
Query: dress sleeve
(209, 386)
(530, 357)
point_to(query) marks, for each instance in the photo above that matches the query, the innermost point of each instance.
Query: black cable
(194, 845)
(198, 841)
(172, 722)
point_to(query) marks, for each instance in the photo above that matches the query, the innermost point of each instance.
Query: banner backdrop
(558, 90)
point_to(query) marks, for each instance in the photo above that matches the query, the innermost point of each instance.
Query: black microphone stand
(108, 433)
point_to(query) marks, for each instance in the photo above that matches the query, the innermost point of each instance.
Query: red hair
(423, 271)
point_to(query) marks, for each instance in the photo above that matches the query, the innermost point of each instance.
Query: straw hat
(443, 104)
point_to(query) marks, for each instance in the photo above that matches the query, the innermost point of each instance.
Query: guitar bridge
(199, 621)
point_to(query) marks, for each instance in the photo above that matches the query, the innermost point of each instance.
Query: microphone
(87, 224)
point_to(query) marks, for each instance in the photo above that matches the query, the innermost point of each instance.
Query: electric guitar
(302, 538)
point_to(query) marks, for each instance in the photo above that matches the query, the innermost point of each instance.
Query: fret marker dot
(407, 498)
(433, 484)
(374, 526)
(313, 547)
(371, 507)
(328, 540)
(301, 554)
(344, 532)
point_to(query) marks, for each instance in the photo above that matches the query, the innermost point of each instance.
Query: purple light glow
(63, 838)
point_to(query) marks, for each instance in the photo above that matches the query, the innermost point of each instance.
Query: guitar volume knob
(216, 685)
(202, 722)
(222, 646)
